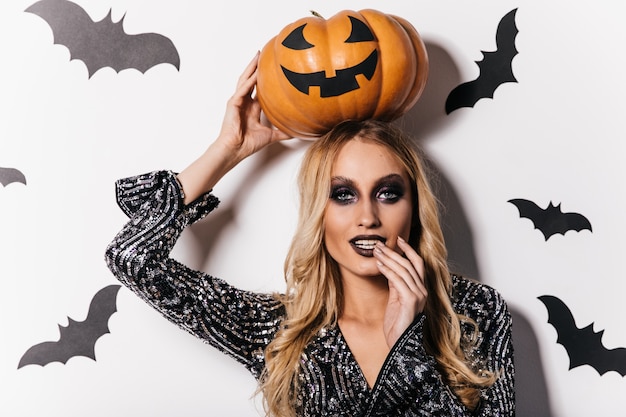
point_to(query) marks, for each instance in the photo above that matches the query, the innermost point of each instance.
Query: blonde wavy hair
(313, 298)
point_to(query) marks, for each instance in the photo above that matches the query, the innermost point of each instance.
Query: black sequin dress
(242, 323)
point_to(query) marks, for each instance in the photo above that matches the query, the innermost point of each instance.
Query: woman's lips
(364, 245)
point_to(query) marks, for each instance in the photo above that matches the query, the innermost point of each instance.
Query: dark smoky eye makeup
(390, 189)
(342, 191)
(390, 193)
(342, 195)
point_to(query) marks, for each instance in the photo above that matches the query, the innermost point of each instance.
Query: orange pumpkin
(356, 65)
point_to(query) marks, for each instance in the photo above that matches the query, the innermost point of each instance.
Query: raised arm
(242, 134)
(160, 205)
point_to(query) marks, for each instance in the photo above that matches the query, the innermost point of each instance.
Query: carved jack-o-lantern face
(345, 78)
(356, 65)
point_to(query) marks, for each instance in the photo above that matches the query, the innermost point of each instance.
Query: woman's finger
(401, 284)
(401, 266)
(416, 260)
(248, 71)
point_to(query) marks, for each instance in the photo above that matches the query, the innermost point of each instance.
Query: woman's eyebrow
(342, 180)
(392, 176)
(339, 179)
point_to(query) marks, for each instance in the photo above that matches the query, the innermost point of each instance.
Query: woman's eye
(389, 194)
(343, 195)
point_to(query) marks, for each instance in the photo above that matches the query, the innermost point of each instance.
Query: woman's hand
(407, 292)
(243, 132)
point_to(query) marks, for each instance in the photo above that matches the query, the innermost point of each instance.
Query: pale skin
(384, 288)
(371, 200)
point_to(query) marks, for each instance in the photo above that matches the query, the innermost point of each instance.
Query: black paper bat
(78, 338)
(104, 43)
(495, 68)
(11, 175)
(583, 346)
(551, 220)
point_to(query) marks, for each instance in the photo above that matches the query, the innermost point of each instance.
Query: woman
(371, 323)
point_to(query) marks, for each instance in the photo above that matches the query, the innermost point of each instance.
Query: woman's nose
(368, 214)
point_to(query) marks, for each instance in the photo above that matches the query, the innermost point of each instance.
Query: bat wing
(577, 222)
(77, 338)
(104, 43)
(583, 346)
(495, 68)
(529, 210)
(144, 51)
(11, 175)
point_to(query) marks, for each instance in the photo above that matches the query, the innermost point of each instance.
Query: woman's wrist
(202, 174)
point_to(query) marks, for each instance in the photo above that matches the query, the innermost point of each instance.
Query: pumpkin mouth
(343, 82)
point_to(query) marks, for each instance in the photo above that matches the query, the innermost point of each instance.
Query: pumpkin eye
(360, 32)
(295, 40)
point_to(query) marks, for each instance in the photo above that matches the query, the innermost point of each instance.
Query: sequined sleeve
(239, 323)
(410, 377)
(494, 346)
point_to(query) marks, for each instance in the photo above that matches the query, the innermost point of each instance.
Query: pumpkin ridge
(370, 112)
(421, 64)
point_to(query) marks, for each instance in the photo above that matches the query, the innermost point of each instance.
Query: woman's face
(370, 201)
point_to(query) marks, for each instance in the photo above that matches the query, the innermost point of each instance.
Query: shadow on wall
(206, 234)
(427, 116)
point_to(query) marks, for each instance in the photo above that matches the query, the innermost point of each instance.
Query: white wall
(556, 135)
